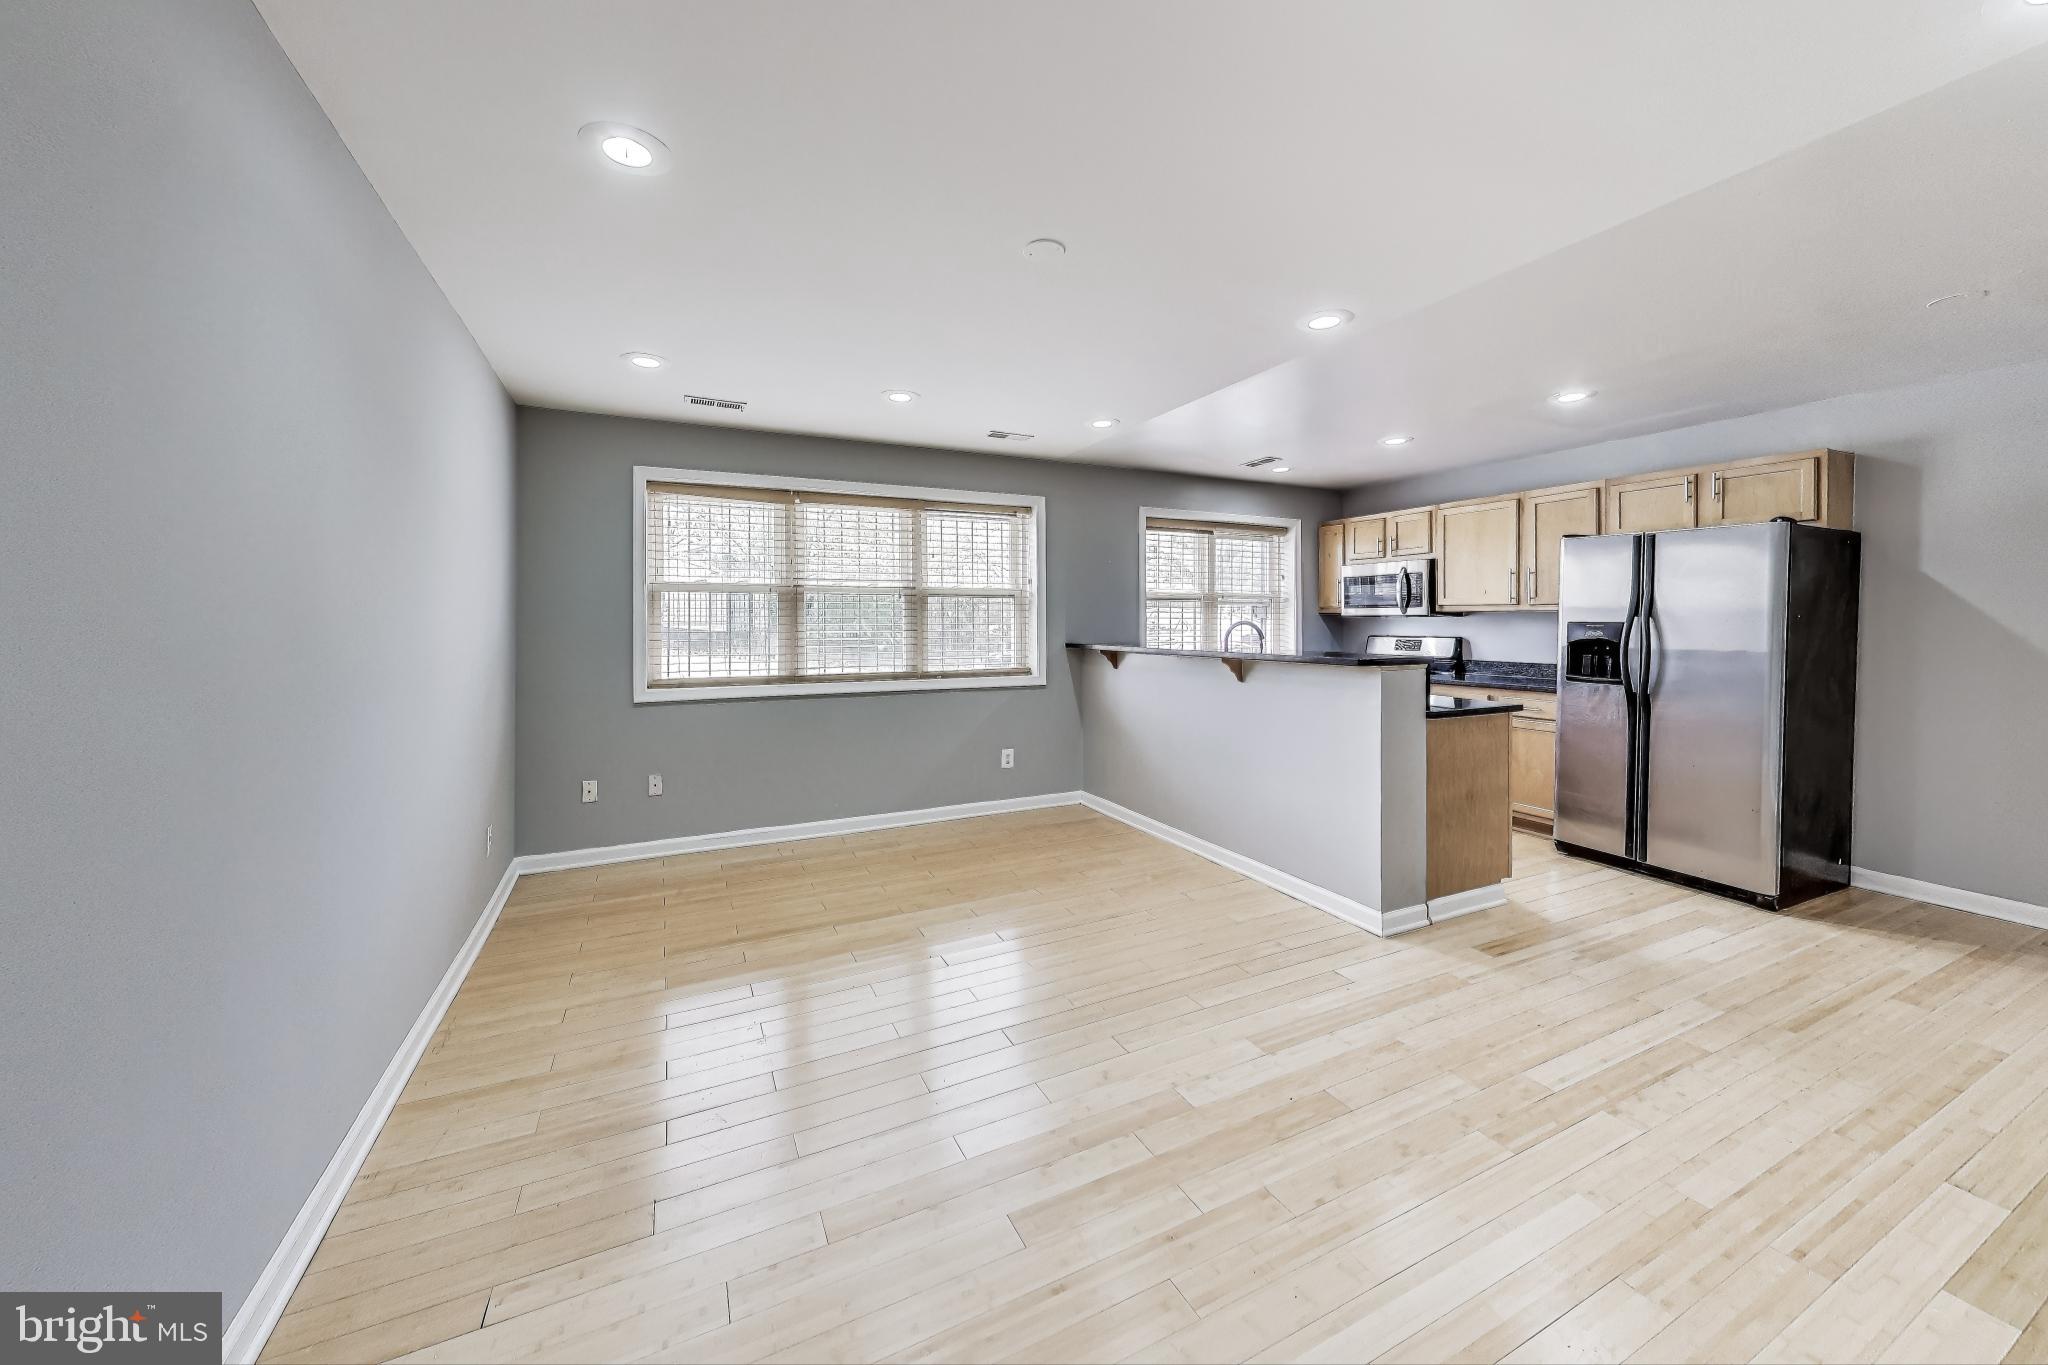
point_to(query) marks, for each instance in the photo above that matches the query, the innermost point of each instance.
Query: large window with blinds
(753, 587)
(1205, 573)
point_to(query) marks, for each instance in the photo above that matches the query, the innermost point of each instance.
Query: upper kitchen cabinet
(1365, 538)
(1330, 566)
(1411, 534)
(1813, 485)
(1654, 502)
(1548, 516)
(1479, 559)
(1502, 553)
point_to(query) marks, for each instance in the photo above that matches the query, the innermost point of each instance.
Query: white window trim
(1291, 525)
(643, 475)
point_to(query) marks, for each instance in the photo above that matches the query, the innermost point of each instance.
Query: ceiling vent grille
(1262, 462)
(1010, 436)
(698, 400)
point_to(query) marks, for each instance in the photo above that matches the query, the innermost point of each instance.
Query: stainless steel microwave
(1390, 587)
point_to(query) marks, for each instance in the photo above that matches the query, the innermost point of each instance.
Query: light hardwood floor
(1041, 1087)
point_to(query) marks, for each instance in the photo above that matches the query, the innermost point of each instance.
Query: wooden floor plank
(1041, 1087)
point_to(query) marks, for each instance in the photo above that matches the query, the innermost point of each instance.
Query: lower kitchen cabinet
(1532, 769)
(1471, 835)
(1532, 749)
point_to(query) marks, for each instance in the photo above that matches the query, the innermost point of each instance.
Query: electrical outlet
(654, 784)
(490, 839)
(1009, 758)
(589, 792)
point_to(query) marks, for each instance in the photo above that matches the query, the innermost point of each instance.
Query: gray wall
(1277, 767)
(1952, 500)
(255, 642)
(738, 764)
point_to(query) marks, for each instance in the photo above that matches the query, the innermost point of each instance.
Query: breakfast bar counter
(1321, 775)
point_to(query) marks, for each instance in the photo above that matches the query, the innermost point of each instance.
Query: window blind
(762, 586)
(1202, 577)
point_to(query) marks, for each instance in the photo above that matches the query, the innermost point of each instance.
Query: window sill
(644, 695)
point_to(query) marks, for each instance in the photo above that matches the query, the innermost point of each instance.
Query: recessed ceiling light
(645, 360)
(1327, 319)
(626, 151)
(1103, 423)
(626, 148)
(899, 395)
(1395, 440)
(1570, 396)
(1278, 469)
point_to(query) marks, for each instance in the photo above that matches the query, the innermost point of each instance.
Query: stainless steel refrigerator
(1706, 713)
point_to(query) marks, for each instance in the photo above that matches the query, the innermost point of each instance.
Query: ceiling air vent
(698, 400)
(1009, 435)
(1262, 462)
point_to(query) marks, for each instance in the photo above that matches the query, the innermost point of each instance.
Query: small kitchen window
(751, 586)
(1209, 576)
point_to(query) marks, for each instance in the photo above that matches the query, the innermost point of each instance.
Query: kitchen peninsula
(1332, 777)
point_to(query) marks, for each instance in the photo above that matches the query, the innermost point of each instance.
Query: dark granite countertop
(1514, 677)
(1340, 660)
(1441, 708)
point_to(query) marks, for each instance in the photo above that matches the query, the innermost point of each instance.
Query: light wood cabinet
(1365, 538)
(1654, 502)
(1532, 768)
(1542, 705)
(1532, 749)
(1503, 553)
(1548, 516)
(1411, 534)
(1758, 492)
(1470, 839)
(1330, 566)
(1479, 554)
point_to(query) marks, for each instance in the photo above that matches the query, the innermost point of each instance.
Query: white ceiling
(1697, 209)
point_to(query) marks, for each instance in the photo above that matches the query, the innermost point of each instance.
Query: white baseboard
(1954, 897)
(776, 834)
(1459, 903)
(254, 1320)
(1385, 923)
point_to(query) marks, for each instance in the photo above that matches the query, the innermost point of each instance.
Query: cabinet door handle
(1533, 581)
(1717, 488)
(1688, 490)
(1513, 577)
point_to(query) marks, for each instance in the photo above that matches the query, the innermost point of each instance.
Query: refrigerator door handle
(1628, 675)
(1639, 763)
(1631, 692)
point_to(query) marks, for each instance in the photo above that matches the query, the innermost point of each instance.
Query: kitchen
(1482, 559)
(1705, 619)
